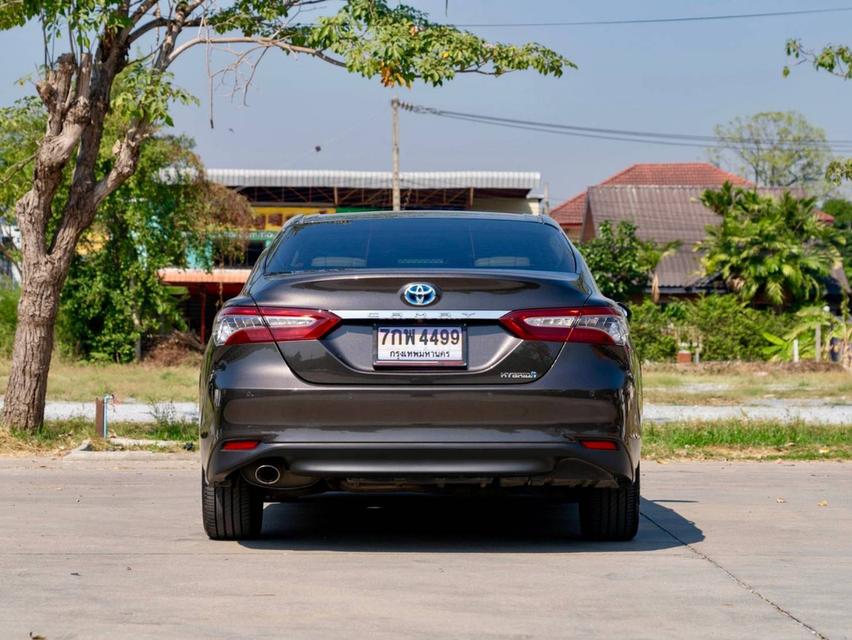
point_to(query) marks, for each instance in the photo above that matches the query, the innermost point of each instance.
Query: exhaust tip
(267, 474)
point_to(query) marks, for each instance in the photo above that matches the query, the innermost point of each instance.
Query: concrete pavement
(114, 549)
(812, 411)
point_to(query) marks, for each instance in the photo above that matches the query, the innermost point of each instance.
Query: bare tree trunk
(27, 386)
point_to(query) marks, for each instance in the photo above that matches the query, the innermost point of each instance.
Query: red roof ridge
(615, 176)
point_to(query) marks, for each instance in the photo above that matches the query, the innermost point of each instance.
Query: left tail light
(239, 325)
(596, 325)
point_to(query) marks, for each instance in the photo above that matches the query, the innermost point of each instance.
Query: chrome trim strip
(417, 314)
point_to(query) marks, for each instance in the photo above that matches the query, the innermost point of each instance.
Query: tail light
(238, 325)
(597, 325)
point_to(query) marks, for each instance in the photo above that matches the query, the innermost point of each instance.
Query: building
(278, 195)
(571, 213)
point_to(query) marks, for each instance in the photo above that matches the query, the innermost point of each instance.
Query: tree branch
(20, 164)
(144, 7)
(260, 42)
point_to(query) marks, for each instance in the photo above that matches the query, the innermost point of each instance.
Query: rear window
(421, 243)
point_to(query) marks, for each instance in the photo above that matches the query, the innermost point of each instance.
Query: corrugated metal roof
(681, 269)
(525, 180)
(661, 214)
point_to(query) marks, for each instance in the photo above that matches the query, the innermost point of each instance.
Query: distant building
(278, 195)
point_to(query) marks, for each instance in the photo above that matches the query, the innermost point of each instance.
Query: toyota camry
(420, 351)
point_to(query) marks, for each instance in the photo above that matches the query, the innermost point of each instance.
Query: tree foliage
(774, 149)
(166, 210)
(836, 60)
(841, 210)
(769, 250)
(620, 261)
(113, 297)
(21, 128)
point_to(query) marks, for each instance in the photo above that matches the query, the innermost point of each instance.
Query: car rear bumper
(531, 430)
(566, 464)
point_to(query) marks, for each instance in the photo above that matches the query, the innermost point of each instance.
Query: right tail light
(596, 325)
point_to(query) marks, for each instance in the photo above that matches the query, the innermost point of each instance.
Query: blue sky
(681, 77)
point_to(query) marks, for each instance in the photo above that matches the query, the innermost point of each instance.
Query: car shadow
(422, 523)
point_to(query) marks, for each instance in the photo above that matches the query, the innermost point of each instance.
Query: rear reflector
(597, 325)
(239, 325)
(600, 445)
(239, 445)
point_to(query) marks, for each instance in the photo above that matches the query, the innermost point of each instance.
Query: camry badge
(419, 294)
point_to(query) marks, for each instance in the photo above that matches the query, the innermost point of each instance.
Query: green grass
(57, 436)
(741, 439)
(81, 381)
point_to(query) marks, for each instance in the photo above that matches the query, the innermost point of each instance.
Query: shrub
(650, 330)
(727, 328)
(9, 295)
(620, 261)
(731, 330)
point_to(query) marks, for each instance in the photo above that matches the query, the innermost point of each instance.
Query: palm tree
(766, 249)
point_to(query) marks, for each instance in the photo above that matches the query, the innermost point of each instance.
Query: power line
(588, 23)
(621, 135)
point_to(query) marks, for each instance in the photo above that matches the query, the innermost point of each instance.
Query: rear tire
(610, 514)
(233, 512)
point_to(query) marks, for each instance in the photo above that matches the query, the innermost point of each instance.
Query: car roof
(391, 215)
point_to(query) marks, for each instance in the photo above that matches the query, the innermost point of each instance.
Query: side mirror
(625, 310)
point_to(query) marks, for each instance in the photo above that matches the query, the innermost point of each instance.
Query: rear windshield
(421, 243)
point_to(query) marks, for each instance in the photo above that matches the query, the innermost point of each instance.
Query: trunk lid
(470, 301)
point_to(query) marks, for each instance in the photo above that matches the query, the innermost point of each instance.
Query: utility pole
(395, 127)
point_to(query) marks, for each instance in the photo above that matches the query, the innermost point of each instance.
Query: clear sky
(677, 77)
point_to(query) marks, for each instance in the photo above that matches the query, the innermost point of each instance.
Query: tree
(140, 40)
(773, 149)
(841, 211)
(620, 262)
(766, 249)
(164, 212)
(837, 60)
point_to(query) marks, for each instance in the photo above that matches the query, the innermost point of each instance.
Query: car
(445, 352)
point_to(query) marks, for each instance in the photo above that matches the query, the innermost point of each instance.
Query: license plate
(420, 346)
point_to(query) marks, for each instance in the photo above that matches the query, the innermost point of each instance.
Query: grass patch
(82, 381)
(664, 385)
(178, 430)
(747, 439)
(60, 436)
